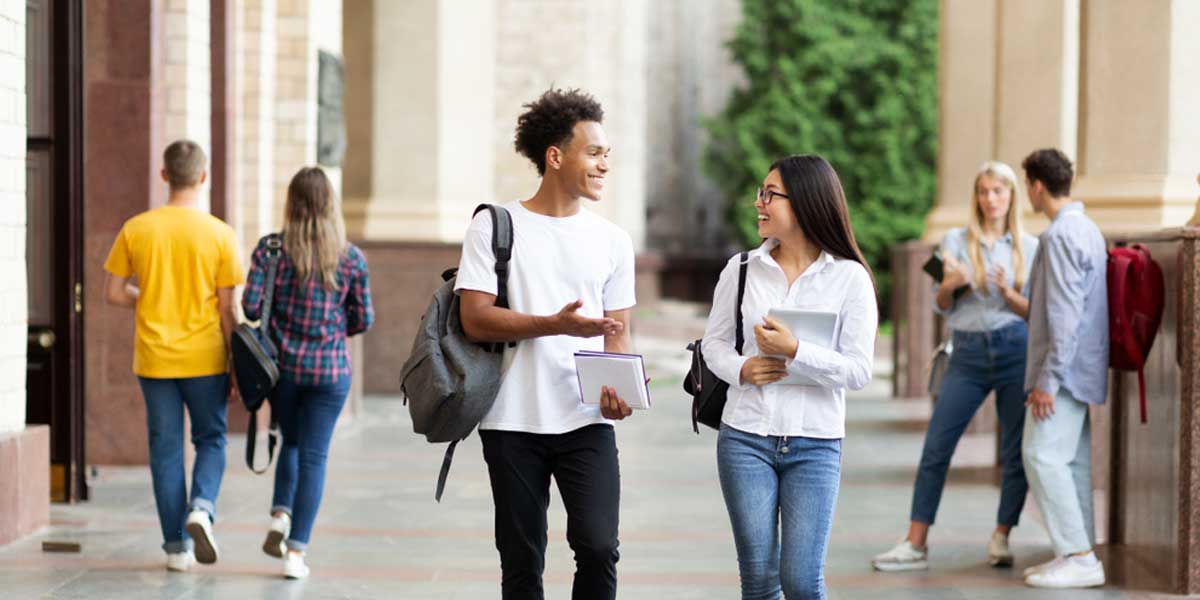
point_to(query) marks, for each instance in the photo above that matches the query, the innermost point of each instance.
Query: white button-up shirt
(829, 284)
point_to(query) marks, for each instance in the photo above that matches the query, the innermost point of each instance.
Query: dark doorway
(54, 236)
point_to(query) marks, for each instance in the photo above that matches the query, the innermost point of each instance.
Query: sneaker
(903, 557)
(180, 561)
(199, 526)
(294, 567)
(1071, 572)
(1041, 567)
(998, 552)
(275, 545)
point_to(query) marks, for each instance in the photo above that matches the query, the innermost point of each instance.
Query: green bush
(852, 80)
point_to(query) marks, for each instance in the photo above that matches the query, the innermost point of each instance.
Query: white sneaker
(199, 526)
(998, 552)
(1071, 572)
(275, 545)
(293, 566)
(180, 561)
(903, 557)
(1041, 567)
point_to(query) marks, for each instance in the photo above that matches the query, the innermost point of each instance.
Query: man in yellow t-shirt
(185, 265)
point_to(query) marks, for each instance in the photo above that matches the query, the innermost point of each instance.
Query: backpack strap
(739, 338)
(274, 253)
(445, 471)
(251, 437)
(502, 244)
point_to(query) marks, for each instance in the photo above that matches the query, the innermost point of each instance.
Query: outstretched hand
(570, 322)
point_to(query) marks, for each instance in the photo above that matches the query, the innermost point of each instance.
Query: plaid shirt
(309, 323)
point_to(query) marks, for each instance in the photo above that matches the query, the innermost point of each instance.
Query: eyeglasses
(767, 196)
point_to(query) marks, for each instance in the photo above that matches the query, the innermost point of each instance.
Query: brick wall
(256, 113)
(13, 297)
(187, 77)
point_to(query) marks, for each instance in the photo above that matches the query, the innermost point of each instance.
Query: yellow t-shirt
(180, 257)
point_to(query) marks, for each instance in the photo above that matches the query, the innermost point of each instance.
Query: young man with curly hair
(1066, 371)
(570, 288)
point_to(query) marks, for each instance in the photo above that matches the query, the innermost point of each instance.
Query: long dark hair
(819, 204)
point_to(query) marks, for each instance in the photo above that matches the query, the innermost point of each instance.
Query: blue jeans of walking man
(780, 493)
(981, 362)
(205, 399)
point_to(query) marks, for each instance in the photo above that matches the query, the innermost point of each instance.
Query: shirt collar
(1075, 206)
(763, 253)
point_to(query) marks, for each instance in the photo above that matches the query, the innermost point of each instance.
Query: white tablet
(814, 326)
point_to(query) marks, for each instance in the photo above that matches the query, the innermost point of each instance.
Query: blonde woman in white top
(779, 450)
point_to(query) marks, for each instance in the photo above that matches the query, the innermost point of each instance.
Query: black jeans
(584, 464)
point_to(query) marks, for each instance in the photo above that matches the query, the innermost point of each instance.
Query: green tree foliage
(852, 80)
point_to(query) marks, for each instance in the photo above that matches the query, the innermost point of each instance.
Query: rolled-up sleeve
(849, 365)
(720, 333)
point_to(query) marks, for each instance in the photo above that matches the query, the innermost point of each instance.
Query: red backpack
(1135, 307)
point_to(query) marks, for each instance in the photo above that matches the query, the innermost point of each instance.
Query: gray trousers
(1058, 463)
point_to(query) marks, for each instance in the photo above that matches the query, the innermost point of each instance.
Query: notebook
(814, 326)
(626, 373)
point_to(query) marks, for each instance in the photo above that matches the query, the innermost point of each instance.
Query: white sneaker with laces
(199, 526)
(275, 545)
(903, 557)
(998, 553)
(1041, 567)
(293, 566)
(1071, 572)
(180, 561)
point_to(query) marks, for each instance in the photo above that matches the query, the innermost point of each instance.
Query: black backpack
(255, 361)
(449, 382)
(707, 390)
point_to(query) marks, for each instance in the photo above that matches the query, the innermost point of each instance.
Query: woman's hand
(999, 278)
(761, 370)
(954, 274)
(775, 338)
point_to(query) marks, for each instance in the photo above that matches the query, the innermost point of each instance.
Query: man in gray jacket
(1066, 371)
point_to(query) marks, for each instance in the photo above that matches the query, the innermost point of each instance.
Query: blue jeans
(205, 399)
(769, 482)
(307, 415)
(982, 361)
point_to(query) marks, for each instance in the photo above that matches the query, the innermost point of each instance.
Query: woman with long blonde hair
(984, 297)
(321, 296)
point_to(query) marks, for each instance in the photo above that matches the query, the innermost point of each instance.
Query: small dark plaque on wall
(331, 123)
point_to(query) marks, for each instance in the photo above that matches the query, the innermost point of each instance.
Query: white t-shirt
(555, 261)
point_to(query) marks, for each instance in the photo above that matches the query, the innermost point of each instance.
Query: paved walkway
(380, 534)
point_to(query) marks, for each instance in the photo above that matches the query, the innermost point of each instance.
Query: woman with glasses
(986, 267)
(779, 450)
(322, 295)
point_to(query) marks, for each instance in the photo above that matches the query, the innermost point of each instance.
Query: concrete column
(256, 115)
(1139, 127)
(967, 92)
(13, 309)
(429, 147)
(187, 77)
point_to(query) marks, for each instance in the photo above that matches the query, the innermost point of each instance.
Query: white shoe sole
(899, 567)
(274, 544)
(205, 550)
(1055, 585)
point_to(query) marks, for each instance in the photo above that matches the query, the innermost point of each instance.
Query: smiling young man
(570, 288)
(1066, 371)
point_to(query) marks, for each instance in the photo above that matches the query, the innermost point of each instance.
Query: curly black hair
(550, 120)
(1051, 167)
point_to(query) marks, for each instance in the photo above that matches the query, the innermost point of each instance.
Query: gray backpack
(450, 382)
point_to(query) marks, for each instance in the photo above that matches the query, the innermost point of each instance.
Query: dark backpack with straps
(450, 382)
(255, 360)
(1135, 307)
(707, 390)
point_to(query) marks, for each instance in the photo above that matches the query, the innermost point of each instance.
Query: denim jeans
(1058, 457)
(584, 464)
(205, 399)
(306, 415)
(780, 493)
(982, 361)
